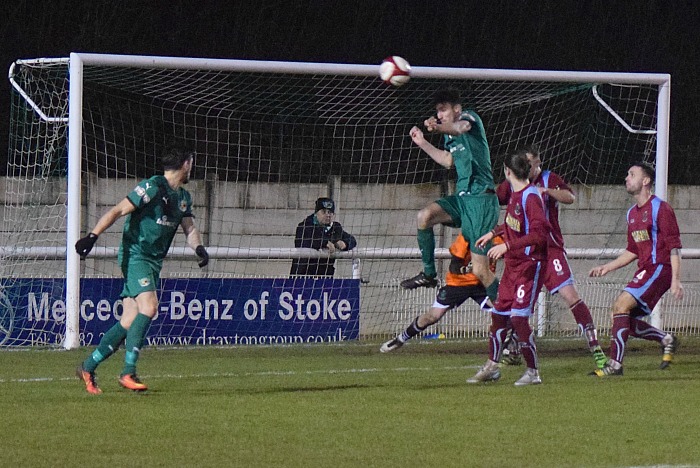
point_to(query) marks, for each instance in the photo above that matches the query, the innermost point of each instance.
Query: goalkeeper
(462, 284)
(318, 231)
(153, 210)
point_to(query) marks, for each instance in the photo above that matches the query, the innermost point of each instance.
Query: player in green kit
(154, 210)
(474, 206)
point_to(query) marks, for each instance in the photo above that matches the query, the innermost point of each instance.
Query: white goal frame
(77, 61)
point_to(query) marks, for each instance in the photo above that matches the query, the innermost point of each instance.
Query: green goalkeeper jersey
(471, 156)
(149, 231)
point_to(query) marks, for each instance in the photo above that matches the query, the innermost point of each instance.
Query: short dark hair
(532, 149)
(446, 96)
(518, 163)
(175, 156)
(647, 169)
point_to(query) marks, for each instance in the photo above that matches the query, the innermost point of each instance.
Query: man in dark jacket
(318, 231)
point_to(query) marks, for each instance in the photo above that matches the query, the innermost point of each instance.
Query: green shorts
(475, 214)
(140, 276)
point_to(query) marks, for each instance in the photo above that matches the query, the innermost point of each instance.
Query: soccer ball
(395, 71)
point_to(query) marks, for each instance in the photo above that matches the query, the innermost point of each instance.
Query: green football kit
(149, 231)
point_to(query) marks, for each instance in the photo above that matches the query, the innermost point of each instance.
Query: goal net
(270, 138)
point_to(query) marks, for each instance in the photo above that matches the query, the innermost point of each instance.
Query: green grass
(349, 405)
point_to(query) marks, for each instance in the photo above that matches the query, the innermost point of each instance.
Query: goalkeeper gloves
(203, 256)
(85, 245)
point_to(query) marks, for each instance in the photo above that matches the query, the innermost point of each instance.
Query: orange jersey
(460, 249)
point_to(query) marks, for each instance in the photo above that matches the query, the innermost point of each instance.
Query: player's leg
(109, 343)
(491, 371)
(137, 323)
(141, 280)
(648, 288)
(624, 303)
(500, 314)
(511, 355)
(528, 283)
(479, 214)
(560, 280)
(419, 324)
(646, 331)
(528, 349)
(447, 298)
(584, 319)
(427, 218)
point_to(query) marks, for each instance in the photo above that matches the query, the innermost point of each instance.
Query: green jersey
(149, 231)
(471, 156)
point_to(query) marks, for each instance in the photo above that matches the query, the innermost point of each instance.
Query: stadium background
(644, 36)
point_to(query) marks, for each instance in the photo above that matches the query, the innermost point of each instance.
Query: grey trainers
(669, 349)
(391, 345)
(490, 372)
(530, 377)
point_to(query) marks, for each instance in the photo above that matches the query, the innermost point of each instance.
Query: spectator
(318, 231)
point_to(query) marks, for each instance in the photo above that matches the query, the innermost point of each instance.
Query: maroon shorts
(519, 287)
(557, 272)
(648, 285)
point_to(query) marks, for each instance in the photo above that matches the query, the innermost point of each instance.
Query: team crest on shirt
(645, 216)
(513, 223)
(183, 205)
(144, 282)
(518, 209)
(640, 235)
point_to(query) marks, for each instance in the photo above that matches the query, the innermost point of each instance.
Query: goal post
(270, 138)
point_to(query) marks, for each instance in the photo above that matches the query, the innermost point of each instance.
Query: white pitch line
(256, 374)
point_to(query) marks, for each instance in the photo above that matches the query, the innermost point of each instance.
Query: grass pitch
(349, 405)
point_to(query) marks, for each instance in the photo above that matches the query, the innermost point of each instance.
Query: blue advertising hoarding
(192, 311)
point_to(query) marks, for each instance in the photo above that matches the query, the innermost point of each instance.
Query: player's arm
(497, 231)
(624, 259)
(670, 233)
(442, 157)
(561, 195)
(194, 240)
(676, 286)
(503, 192)
(84, 245)
(452, 128)
(122, 208)
(558, 189)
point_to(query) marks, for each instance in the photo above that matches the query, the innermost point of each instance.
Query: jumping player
(526, 230)
(558, 277)
(653, 238)
(474, 208)
(461, 284)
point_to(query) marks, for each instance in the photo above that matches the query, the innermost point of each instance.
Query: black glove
(203, 256)
(85, 245)
(336, 232)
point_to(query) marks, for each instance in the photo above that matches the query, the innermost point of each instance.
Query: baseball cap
(325, 203)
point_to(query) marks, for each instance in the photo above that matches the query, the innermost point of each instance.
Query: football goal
(270, 138)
